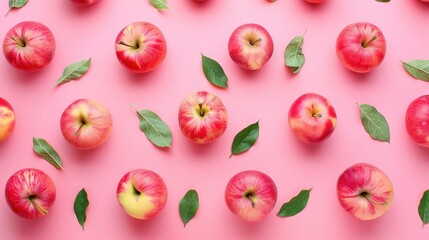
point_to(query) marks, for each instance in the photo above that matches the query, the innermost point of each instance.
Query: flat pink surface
(190, 29)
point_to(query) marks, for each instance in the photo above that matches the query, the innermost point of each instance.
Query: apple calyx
(314, 113)
(250, 195)
(366, 43)
(32, 199)
(202, 109)
(20, 42)
(135, 46)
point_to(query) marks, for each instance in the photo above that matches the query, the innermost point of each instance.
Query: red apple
(417, 120)
(250, 46)
(202, 117)
(140, 47)
(365, 191)
(84, 2)
(251, 195)
(86, 124)
(29, 46)
(361, 47)
(30, 193)
(312, 118)
(142, 193)
(7, 119)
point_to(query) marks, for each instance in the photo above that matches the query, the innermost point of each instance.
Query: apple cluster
(363, 190)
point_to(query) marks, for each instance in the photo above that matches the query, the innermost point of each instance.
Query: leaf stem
(135, 108)
(8, 12)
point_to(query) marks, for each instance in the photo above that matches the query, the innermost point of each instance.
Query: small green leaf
(81, 203)
(74, 71)
(294, 58)
(295, 205)
(159, 4)
(382, 0)
(419, 69)
(424, 208)
(188, 206)
(47, 152)
(245, 139)
(374, 122)
(154, 128)
(214, 72)
(16, 4)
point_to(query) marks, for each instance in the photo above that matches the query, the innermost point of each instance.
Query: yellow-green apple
(86, 124)
(312, 118)
(417, 120)
(202, 117)
(7, 119)
(30, 193)
(29, 46)
(84, 2)
(251, 195)
(140, 47)
(250, 46)
(365, 191)
(142, 193)
(361, 47)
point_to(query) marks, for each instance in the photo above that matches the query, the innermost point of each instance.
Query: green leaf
(419, 69)
(295, 205)
(294, 58)
(159, 4)
(74, 71)
(154, 128)
(374, 122)
(245, 139)
(382, 0)
(47, 152)
(214, 72)
(188, 206)
(424, 208)
(81, 203)
(16, 4)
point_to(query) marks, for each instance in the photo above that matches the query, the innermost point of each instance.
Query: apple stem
(250, 197)
(77, 131)
(19, 42)
(135, 46)
(41, 210)
(365, 44)
(255, 41)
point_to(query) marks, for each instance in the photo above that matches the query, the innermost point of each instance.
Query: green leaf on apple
(16, 4)
(47, 152)
(160, 5)
(245, 139)
(188, 206)
(424, 208)
(74, 71)
(214, 72)
(419, 69)
(154, 128)
(374, 122)
(294, 58)
(81, 203)
(295, 205)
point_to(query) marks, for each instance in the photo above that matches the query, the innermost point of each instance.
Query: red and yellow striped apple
(361, 47)
(30, 193)
(417, 120)
(312, 118)
(202, 117)
(86, 124)
(140, 47)
(142, 194)
(7, 119)
(251, 195)
(29, 46)
(365, 191)
(250, 46)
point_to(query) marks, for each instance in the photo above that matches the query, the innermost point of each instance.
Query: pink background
(194, 28)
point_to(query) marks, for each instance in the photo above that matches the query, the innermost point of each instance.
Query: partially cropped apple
(202, 117)
(30, 193)
(315, 1)
(86, 124)
(251, 195)
(312, 118)
(7, 119)
(142, 194)
(29, 46)
(365, 191)
(140, 47)
(250, 46)
(361, 47)
(417, 120)
(84, 2)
